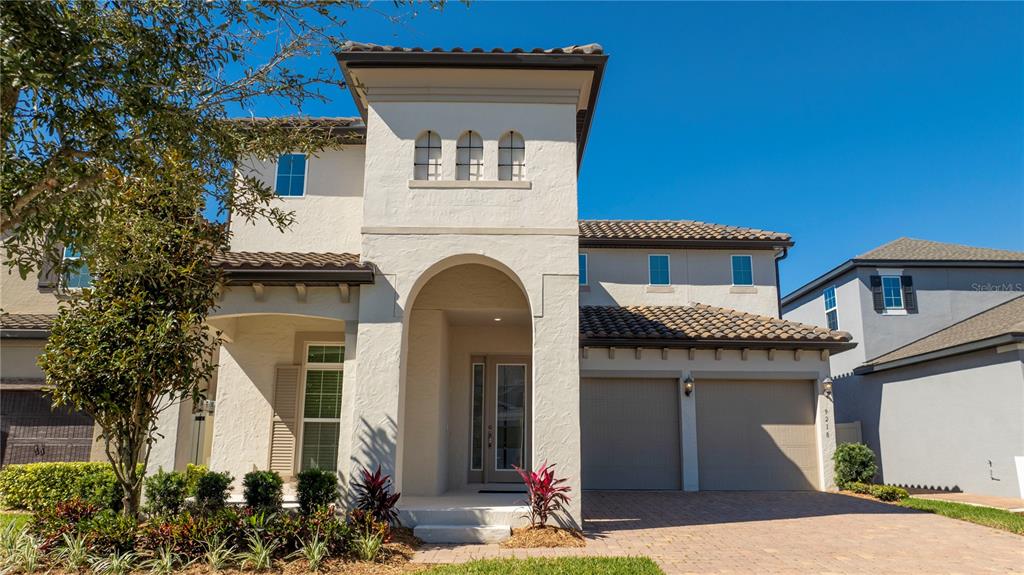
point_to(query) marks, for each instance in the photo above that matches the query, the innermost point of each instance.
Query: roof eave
(1004, 339)
(293, 276)
(683, 243)
(594, 63)
(832, 346)
(855, 263)
(6, 333)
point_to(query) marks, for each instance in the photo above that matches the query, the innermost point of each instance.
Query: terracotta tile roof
(912, 249)
(345, 130)
(698, 323)
(674, 230)
(289, 260)
(1006, 318)
(350, 46)
(26, 320)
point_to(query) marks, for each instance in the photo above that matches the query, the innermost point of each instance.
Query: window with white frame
(742, 270)
(511, 157)
(892, 292)
(76, 275)
(291, 175)
(321, 405)
(831, 310)
(427, 161)
(477, 436)
(657, 270)
(584, 273)
(469, 157)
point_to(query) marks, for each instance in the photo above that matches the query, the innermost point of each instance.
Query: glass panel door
(507, 419)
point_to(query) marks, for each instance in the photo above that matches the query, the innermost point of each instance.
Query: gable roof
(675, 233)
(699, 325)
(910, 249)
(340, 129)
(585, 57)
(919, 253)
(1004, 321)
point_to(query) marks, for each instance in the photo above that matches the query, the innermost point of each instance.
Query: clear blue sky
(845, 125)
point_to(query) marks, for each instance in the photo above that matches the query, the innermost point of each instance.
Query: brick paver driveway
(780, 532)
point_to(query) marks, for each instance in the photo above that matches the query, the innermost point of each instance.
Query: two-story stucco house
(438, 309)
(936, 382)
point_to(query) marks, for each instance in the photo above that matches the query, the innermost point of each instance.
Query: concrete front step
(462, 533)
(511, 516)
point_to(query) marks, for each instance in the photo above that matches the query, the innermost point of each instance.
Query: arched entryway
(467, 385)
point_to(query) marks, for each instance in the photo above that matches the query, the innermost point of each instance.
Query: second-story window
(427, 163)
(657, 270)
(77, 275)
(584, 279)
(291, 175)
(469, 157)
(742, 271)
(892, 292)
(511, 157)
(831, 310)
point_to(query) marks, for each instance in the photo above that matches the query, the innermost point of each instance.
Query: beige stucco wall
(18, 358)
(620, 277)
(24, 295)
(327, 219)
(598, 362)
(245, 385)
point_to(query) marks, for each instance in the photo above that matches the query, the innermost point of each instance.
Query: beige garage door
(630, 433)
(754, 435)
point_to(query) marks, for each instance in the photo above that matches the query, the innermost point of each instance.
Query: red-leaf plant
(547, 494)
(374, 496)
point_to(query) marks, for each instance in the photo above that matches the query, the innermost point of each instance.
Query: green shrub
(263, 490)
(52, 523)
(110, 532)
(854, 462)
(317, 488)
(193, 473)
(166, 492)
(859, 488)
(35, 486)
(889, 492)
(212, 490)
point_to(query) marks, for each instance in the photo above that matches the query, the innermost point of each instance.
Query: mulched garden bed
(538, 537)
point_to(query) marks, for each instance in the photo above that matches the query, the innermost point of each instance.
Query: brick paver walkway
(772, 533)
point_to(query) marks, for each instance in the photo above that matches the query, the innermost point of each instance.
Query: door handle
(490, 436)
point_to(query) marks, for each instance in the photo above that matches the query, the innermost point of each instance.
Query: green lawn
(987, 516)
(19, 518)
(562, 566)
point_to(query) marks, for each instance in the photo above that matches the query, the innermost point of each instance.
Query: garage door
(31, 431)
(756, 435)
(630, 433)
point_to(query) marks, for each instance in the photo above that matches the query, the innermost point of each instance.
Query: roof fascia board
(857, 263)
(712, 344)
(594, 63)
(941, 353)
(24, 333)
(288, 277)
(688, 243)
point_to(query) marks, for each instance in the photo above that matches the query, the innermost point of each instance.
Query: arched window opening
(469, 157)
(511, 157)
(427, 163)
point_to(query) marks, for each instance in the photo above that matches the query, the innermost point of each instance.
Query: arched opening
(467, 410)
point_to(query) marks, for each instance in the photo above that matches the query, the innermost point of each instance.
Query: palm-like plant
(115, 564)
(374, 496)
(546, 492)
(260, 555)
(313, 551)
(218, 554)
(73, 553)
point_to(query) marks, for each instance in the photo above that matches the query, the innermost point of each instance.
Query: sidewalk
(1008, 503)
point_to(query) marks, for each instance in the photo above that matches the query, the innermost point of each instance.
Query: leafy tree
(91, 91)
(136, 343)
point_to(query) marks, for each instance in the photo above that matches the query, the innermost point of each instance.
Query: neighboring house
(438, 309)
(935, 380)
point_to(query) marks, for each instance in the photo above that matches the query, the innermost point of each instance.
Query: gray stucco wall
(944, 296)
(955, 423)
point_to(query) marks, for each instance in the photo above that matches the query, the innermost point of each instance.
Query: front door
(504, 426)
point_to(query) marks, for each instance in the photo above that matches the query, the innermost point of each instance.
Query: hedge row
(880, 492)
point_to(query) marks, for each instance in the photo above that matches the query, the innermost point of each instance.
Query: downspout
(778, 282)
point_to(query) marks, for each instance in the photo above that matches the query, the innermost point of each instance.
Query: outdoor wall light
(826, 386)
(688, 385)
